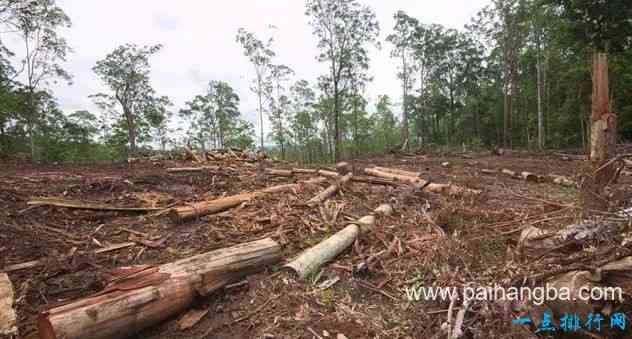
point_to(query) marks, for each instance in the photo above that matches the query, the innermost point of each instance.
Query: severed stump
(8, 325)
(140, 297)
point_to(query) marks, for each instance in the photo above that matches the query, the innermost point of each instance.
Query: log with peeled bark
(182, 213)
(312, 259)
(398, 171)
(330, 191)
(8, 318)
(140, 297)
(448, 189)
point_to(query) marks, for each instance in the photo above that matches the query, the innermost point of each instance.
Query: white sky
(199, 42)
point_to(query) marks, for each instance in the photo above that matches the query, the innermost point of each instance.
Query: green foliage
(126, 72)
(214, 117)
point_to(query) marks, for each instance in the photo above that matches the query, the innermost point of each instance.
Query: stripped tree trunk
(312, 259)
(603, 122)
(603, 137)
(140, 297)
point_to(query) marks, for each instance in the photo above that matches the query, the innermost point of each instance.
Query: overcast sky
(199, 42)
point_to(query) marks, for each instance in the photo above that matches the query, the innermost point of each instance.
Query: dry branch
(330, 191)
(313, 258)
(8, 318)
(87, 205)
(140, 297)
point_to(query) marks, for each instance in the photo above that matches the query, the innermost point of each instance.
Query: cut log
(279, 172)
(344, 168)
(488, 171)
(8, 325)
(373, 180)
(330, 191)
(140, 297)
(312, 259)
(328, 174)
(304, 171)
(508, 172)
(87, 205)
(398, 171)
(193, 169)
(417, 181)
(203, 208)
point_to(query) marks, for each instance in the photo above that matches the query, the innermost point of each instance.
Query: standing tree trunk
(539, 88)
(336, 123)
(603, 136)
(131, 132)
(404, 132)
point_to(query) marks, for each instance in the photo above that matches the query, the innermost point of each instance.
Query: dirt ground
(431, 239)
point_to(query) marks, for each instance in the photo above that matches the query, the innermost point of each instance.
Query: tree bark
(603, 123)
(312, 259)
(140, 297)
(8, 318)
(539, 89)
(417, 181)
(203, 208)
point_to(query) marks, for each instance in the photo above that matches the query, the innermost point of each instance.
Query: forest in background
(517, 76)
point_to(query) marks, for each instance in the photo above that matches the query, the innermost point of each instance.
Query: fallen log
(8, 318)
(193, 169)
(140, 297)
(508, 172)
(373, 180)
(179, 214)
(279, 172)
(87, 205)
(344, 168)
(310, 261)
(398, 171)
(330, 191)
(419, 182)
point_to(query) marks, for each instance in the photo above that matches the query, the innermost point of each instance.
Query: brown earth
(481, 233)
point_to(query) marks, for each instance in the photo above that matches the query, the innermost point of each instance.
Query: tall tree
(260, 55)
(280, 105)
(344, 29)
(213, 116)
(38, 23)
(404, 39)
(126, 71)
